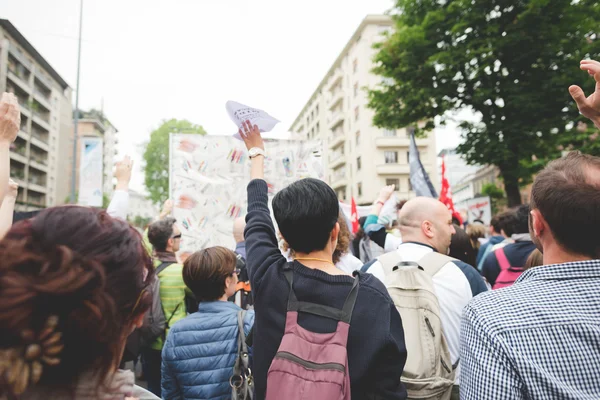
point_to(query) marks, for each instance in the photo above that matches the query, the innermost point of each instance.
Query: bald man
(238, 234)
(426, 226)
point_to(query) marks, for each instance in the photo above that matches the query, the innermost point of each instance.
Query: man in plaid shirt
(540, 338)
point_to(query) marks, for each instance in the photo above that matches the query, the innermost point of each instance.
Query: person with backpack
(165, 237)
(202, 351)
(243, 294)
(319, 333)
(503, 266)
(430, 290)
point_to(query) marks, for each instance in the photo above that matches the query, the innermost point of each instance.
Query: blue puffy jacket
(198, 356)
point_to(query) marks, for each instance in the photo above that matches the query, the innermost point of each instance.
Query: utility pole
(76, 122)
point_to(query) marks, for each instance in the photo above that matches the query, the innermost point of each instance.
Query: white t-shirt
(348, 263)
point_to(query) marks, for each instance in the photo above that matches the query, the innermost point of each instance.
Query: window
(389, 132)
(356, 114)
(359, 187)
(317, 109)
(318, 128)
(408, 157)
(357, 138)
(391, 157)
(409, 186)
(393, 181)
(358, 164)
(356, 89)
(355, 65)
(410, 130)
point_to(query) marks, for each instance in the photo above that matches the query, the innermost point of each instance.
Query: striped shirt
(538, 339)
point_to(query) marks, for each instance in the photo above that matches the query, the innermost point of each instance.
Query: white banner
(208, 176)
(479, 208)
(91, 169)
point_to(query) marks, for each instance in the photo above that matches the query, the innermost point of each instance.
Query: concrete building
(359, 158)
(93, 123)
(41, 156)
(141, 206)
(456, 167)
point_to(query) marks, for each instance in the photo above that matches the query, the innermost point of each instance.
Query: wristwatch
(256, 151)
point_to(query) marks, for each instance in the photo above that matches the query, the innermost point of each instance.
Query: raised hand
(10, 117)
(251, 136)
(166, 209)
(386, 192)
(123, 173)
(589, 106)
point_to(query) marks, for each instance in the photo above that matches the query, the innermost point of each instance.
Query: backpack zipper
(429, 326)
(284, 355)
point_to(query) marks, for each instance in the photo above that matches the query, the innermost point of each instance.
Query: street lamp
(76, 122)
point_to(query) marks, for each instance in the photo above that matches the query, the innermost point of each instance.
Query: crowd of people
(425, 309)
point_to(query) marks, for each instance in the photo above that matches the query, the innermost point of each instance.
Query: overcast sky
(156, 59)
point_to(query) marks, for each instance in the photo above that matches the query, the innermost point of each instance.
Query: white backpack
(428, 373)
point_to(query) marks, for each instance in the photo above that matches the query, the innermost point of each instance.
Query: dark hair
(205, 271)
(343, 243)
(567, 195)
(535, 259)
(306, 212)
(160, 232)
(495, 223)
(461, 247)
(506, 222)
(84, 269)
(517, 221)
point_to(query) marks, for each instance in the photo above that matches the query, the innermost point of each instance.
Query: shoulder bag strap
(433, 262)
(502, 259)
(241, 380)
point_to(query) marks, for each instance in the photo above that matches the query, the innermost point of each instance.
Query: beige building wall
(359, 158)
(38, 159)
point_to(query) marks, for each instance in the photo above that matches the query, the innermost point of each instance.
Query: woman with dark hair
(461, 247)
(201, 350)
(73, 286)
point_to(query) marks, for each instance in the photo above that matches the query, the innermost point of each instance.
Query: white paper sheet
(240, 113)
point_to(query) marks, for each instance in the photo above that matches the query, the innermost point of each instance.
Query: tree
(495, 193)
(156, 156)
(105, 199)
(511, 62)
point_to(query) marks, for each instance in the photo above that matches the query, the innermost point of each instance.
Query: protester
(476, 232)
(539, 338)
(307, 213)
(72, 287)
(10, 122)
(461, 246)
(377, 232)
(165, 237)
(243, 295)
(535, 259)
(506, 223)
(495, 237)
(426, 227)
(342, 257)
(201, 350)
(502, 266)
(239, 224)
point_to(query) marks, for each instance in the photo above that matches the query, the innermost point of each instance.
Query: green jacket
(172, 296)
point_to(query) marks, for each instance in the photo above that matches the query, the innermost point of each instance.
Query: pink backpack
(508, 274)
(308, 365)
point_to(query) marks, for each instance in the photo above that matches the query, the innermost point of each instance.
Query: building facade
(141, 206)
(358, 157)
(41, 156)
(93, 123)
(456, 167)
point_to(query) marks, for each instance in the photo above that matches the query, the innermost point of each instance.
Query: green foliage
(156, 156)
(105, 199)
(511, 62)
(496, 195)
(140, 222)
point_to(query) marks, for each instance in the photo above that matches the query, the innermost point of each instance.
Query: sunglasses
(176, 237)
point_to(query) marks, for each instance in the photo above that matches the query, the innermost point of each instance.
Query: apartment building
(358, 157)
(40, 158)
(93, 123)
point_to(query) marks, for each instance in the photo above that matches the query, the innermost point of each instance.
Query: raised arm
(119, 205)
(10, 121)
(8, 207)
(589, 106)
(261, 241)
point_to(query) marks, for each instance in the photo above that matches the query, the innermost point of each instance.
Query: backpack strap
(502, 259)
(242, 376)
(344, 315)
(163, 266)
(433, 262)
(368, 265)
(389, 261)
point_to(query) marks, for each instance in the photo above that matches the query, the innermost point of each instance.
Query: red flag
(354, 216)
(446, 194)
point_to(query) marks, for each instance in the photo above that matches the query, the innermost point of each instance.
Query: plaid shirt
(538, 339)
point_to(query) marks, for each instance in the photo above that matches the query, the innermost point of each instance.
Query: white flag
(240, 113)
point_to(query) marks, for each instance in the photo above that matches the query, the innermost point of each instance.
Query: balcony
(19, 57)
(337, 161)
(391, 141)
(40, 143)
(393, 169)
(42, 98)
(336, 98)
(23, 135)
(14, 155)
(337, 140)
(37, 183)
(42, 120)
(340, 182)
(20, 82)
(336, 119)
(40, 165)
(335, 78)
(44, 81)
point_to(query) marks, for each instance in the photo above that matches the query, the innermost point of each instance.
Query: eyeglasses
(176, 237)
